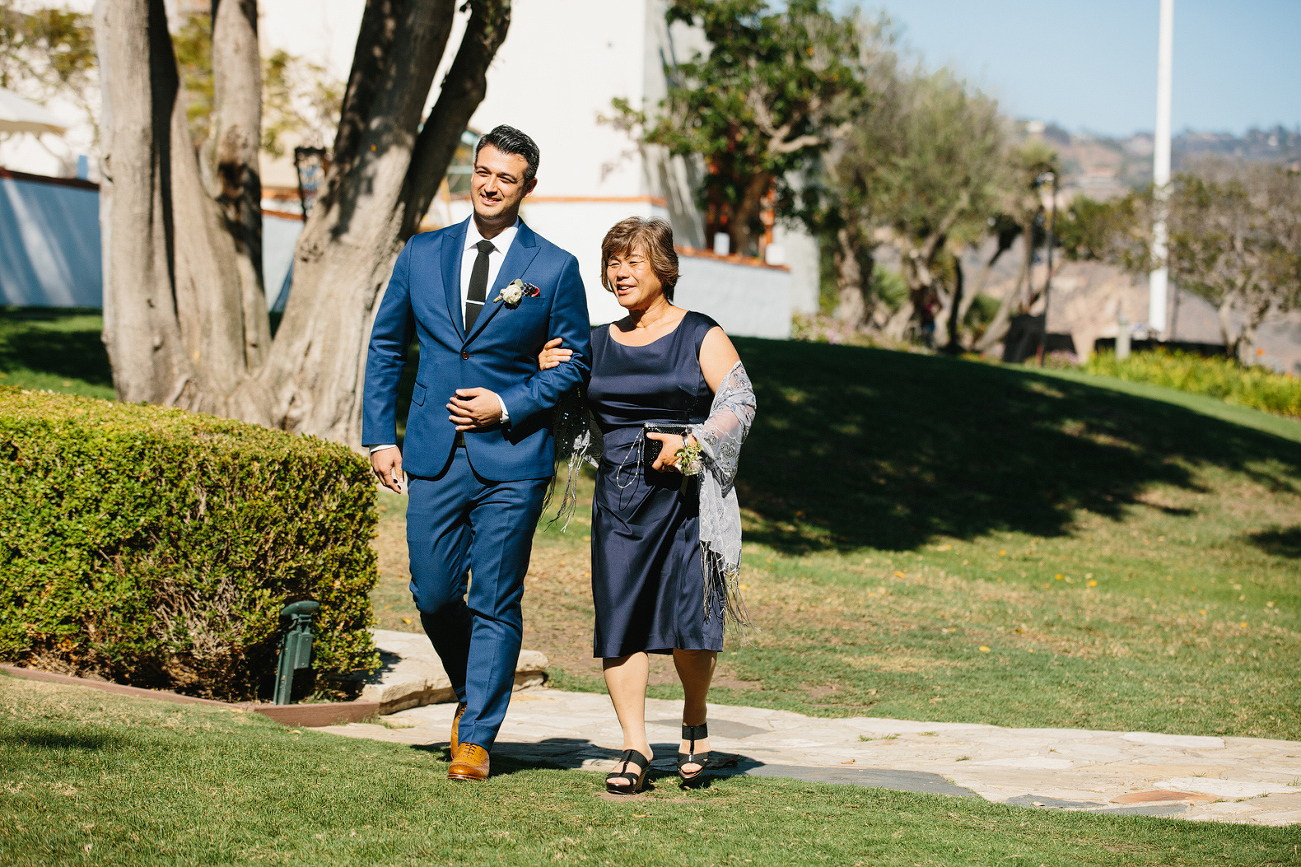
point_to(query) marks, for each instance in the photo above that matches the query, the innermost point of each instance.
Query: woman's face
(635, 284)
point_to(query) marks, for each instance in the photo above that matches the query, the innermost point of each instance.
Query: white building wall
(798, 250)
(562, 63)
(749, 300)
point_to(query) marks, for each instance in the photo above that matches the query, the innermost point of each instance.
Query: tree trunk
(951, 340)
(377, 189)
(237, 137)
(141, 332)
(1225, 314)
(740, 227)
(1002, 320)
(1247, 338)
(1004, 244)
(171, 290)
(853, 265)
(185, 315)
(916, 265)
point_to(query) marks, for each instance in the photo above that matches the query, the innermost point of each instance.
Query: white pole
(1159, 279)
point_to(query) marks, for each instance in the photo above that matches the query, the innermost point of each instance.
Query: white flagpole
(1159, 279)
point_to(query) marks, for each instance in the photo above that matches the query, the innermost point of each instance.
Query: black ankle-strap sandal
(691, 734)
(629, 758)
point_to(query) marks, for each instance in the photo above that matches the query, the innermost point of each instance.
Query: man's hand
(387, 464)
(474, 409)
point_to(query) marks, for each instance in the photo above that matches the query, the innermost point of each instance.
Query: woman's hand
(552, 354)
(667, 460)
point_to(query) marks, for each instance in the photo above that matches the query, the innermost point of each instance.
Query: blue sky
(1091, 64)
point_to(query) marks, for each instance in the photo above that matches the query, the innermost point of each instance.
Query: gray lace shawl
(578, 440)
(720, 438)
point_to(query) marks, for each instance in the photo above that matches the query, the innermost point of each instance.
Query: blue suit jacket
(423, 299)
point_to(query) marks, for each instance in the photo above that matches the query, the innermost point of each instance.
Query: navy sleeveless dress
(647, 584)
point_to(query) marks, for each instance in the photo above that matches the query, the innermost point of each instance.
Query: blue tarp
(50, 245)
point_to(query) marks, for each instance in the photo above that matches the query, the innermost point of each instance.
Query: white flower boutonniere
(516, 291)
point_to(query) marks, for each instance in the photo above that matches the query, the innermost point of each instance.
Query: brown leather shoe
(456, 725)
(470, 762)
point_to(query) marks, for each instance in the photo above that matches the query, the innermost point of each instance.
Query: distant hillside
(1101, 167)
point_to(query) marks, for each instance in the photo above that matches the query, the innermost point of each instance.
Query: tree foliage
(300, 98)
(48, 53)
(1021, 214)
(1234, 239)
(923, 169)
(1234, 242)
(773, 91)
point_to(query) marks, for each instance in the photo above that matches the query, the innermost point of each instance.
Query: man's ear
(528, 188)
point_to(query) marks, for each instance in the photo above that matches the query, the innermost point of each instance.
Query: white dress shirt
(501, 244)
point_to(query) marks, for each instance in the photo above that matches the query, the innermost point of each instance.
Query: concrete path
(1247, 780)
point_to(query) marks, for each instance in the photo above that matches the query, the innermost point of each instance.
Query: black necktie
(478, 284)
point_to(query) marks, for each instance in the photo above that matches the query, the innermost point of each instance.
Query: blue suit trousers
(465, 529)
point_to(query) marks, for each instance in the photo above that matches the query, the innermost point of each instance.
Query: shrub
(1220, 377)
(156, 547)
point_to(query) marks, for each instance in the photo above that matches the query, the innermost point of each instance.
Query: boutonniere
(515, 291)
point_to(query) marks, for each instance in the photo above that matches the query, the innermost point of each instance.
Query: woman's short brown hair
(652, 238)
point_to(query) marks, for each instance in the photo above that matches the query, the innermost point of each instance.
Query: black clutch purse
(654, 447)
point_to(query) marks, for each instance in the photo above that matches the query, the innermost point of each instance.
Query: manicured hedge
(156, 547)
(1256, 387)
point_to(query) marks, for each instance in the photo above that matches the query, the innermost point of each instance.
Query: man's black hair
(509, 140)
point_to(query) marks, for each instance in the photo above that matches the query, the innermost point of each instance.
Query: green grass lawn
(926, 538)
(92, 778)
(58, 350)
(930, 538)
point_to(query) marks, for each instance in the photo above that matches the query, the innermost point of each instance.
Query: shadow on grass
(860, 447)
(1280, 543)
(46, 739)
(54, 346)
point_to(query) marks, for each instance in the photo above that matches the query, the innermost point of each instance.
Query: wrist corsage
(689, 461)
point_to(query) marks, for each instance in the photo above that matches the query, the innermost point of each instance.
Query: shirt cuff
(505, 413)
(381, 448)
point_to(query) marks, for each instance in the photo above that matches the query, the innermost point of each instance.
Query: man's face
(497, 186)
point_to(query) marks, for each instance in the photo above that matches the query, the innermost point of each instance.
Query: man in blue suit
(481, 297)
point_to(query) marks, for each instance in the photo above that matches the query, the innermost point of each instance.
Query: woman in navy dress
(658, 364)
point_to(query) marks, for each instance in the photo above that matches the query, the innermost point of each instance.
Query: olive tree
(773, 91)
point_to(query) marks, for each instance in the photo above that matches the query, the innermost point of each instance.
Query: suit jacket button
(465, 356)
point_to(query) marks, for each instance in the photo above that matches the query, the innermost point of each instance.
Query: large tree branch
(237, 135)
(778, 141)
(399, 46)
(140, 327)
(462, 90)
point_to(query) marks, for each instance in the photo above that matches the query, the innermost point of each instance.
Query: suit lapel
(518, 259)
(453, 247)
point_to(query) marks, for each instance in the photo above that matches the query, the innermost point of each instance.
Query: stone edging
(306, 715)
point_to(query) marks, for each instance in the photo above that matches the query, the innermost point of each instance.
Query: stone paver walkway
(1247, 780)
